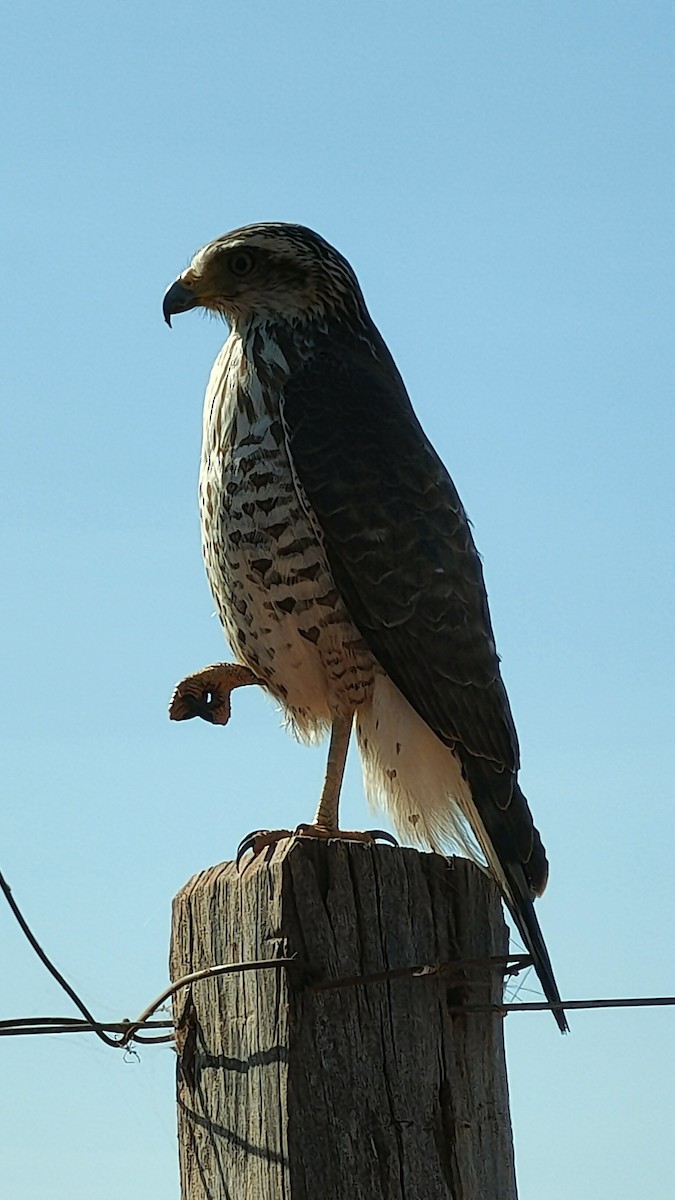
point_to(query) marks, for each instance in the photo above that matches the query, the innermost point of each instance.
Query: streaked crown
(271, 270)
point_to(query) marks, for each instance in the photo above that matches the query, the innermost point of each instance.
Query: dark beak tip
(178, 299)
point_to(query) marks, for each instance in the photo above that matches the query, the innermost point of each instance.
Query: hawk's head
(273, 270)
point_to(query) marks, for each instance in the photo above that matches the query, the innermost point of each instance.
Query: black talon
(205, 705)
(248, 843)
(383, 836)
(187, 705)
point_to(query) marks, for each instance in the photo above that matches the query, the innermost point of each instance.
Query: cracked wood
(362, 1093)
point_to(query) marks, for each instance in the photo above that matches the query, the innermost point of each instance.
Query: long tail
(530, 931)
(436, 795)
(513, 848)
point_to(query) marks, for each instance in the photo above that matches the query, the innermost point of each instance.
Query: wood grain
(358, 1093)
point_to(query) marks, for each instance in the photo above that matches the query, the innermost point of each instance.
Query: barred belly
(265, 562)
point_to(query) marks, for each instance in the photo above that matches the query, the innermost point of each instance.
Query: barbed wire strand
(567, 1005)
(508, 964)
(55, 1026)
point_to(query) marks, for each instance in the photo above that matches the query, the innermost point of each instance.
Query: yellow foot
(258, 841)
(206, 694)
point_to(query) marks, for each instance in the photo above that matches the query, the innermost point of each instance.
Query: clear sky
(501, 177)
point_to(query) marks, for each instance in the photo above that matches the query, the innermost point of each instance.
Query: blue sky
(501, 177)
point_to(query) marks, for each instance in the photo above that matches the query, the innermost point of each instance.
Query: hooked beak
(177, 299)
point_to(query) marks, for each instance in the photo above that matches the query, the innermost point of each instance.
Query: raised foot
(258, 841)
(206, 694)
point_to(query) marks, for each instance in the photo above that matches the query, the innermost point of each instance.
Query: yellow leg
(325, 823)
(327, 812)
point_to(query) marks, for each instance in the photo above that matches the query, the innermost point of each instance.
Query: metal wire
(120, 1034)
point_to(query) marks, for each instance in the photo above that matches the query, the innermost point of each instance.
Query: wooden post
(363, 1092)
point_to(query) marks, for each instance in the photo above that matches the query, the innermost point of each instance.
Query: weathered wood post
(369, 1091)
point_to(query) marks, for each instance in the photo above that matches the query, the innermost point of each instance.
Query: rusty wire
(120, 1034)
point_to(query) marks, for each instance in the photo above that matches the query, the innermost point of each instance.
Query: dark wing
(401, 549)
(403, 558)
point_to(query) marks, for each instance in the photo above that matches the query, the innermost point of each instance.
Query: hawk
(342, 563)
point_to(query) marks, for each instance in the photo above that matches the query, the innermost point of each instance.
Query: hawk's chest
(251, 515)
(264, 557)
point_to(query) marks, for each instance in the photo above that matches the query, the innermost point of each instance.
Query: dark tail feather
(503, 824)
(530, 931)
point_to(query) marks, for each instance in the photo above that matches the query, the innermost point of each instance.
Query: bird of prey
(343, 565)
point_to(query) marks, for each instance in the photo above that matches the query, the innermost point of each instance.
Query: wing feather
(402, 555)
(400, 548)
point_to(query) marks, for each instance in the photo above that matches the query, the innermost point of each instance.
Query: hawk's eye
(241, 263)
